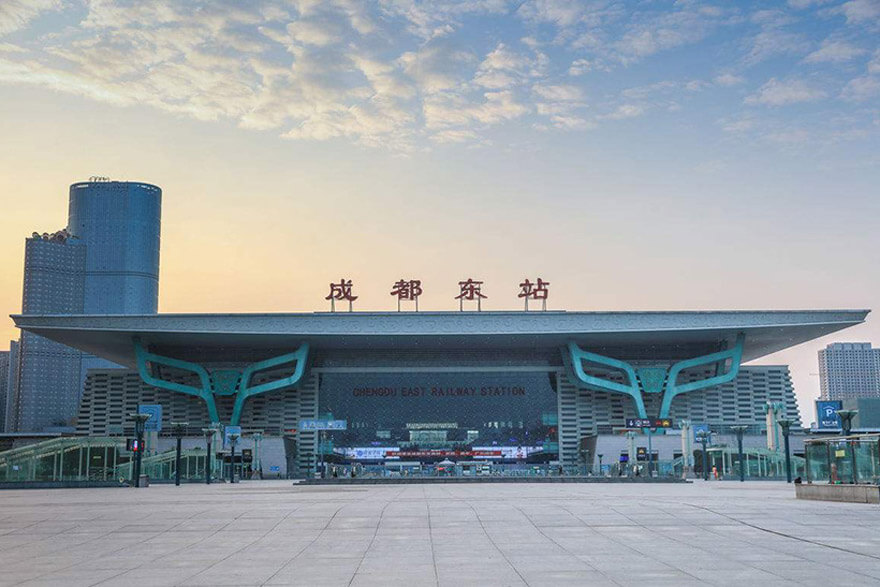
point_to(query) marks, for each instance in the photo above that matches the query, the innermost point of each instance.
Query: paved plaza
(275, 533)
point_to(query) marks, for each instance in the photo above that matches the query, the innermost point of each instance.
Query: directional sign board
(697, 428)
(230, 430)
(154, 423)
(308, 425)
(649, 422)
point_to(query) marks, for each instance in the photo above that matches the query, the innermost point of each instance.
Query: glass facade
(119, 222)
(49, 385)
(415, 413)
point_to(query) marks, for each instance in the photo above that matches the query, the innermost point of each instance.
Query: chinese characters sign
(470, 290)
(534, 291)
(409, 290)
(341, 291)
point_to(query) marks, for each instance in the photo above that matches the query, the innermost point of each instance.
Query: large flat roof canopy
(766, 332)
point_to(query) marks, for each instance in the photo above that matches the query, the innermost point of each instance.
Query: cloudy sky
(638, 155)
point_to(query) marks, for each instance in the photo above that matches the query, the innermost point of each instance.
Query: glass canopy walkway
(66, 459)
(83, 459)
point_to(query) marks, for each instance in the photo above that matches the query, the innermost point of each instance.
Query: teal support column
(653, 379)
(222, 381)
(719, 359)
(245, 390)
(204, 392)
(576, 358)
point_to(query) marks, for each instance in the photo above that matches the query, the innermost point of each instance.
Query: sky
(637, 155)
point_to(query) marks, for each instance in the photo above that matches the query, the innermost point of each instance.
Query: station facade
(512, 386)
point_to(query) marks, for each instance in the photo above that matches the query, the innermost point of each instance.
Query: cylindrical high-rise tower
(119, 222)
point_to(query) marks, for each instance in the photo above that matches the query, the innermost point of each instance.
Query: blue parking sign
(826, 414)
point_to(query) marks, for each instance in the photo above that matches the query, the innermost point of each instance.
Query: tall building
(4, 387)
(11, 387)
(105, 262)
(849, 370)
(49, 373)
(119, 223)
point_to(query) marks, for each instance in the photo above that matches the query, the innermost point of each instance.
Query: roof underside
(668, 335)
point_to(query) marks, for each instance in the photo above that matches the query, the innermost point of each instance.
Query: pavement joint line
(306, 547)
(771, 571)
(494, 544)
(227, 557)
(375, 532)
(158, 535)
(544, 534)
(431, 535)
(790, 536)
(645, 529)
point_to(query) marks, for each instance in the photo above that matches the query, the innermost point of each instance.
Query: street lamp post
(258, 464)
(139, 421)
(846, 418)
(686, 452)
(233, 438)
(179, 429)
(631, 458)
(209, 435)
(740, 430)
(785, 424)
(703, 438)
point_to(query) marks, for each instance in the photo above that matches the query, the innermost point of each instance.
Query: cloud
(314, 33)
(874, 64)
(562, 13)
(447, 110)
(860, 11)
(503, 68)
(16, 14)
(803, 4)
(729, 79)
(580, 67)
(405, 74)
(626, 111)
(454, 136)
(774, 43)
(436, 67)
(834, 52)
(558, 93)
(861, 89)
(781, 92)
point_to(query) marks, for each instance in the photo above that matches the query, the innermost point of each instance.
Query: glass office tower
(118, 221)
(105, 262)
(49, 377)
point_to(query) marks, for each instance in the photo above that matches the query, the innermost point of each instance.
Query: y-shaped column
(654, 379)
(222, 382)
(577, 358)
(245, 390)
(205, 391)
(719, 359)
